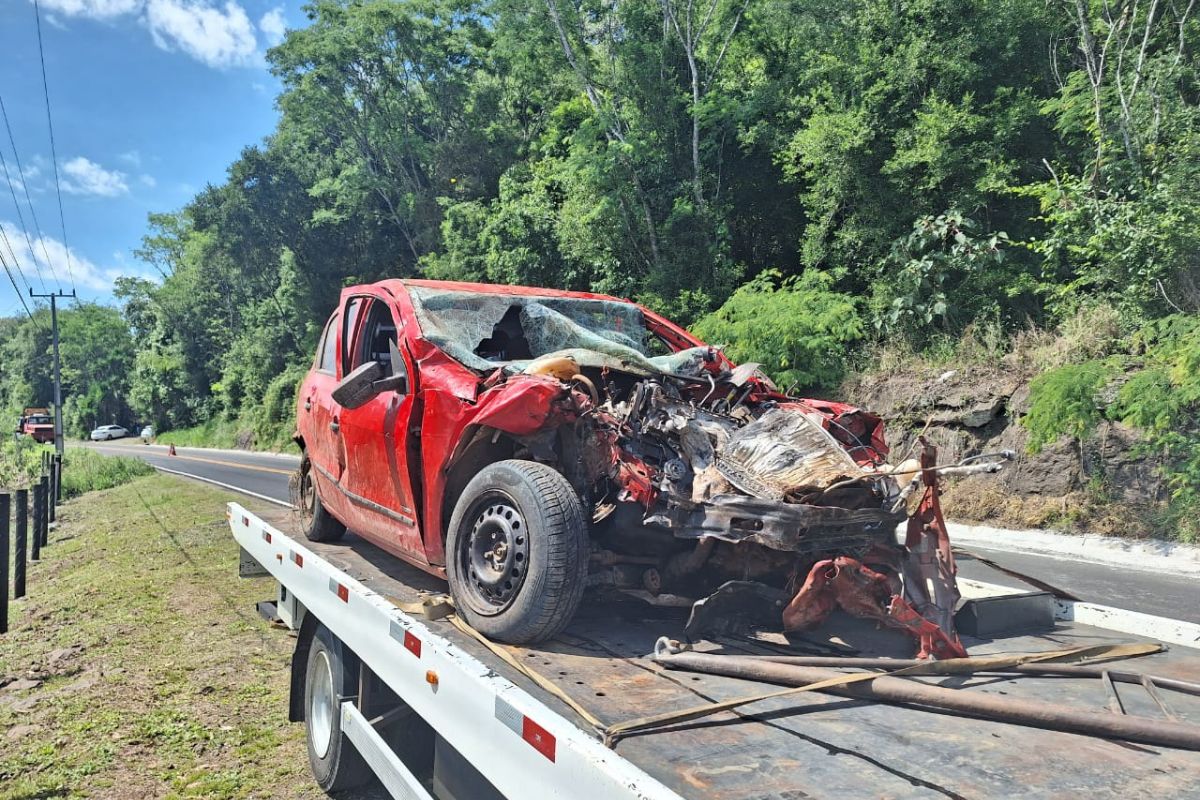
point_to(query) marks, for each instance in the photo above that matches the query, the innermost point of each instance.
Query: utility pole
(58, 433)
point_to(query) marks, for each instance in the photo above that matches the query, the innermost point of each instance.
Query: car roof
(493, 288)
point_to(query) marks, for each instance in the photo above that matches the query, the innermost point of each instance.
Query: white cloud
(148, 181)
(273, 25)
(87, 274)
(216, 37)
(31, 172)
(219, 35)
(93, 9)
(88, 177)
(133, 157)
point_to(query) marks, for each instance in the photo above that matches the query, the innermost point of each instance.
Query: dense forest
(803, 181)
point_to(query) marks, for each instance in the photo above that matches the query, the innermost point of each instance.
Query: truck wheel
(516, 553)
(335, 762)
(319, 525)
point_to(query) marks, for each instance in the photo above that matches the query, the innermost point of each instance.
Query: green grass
(177, 688)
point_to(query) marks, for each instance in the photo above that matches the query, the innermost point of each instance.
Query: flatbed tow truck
(391, 685)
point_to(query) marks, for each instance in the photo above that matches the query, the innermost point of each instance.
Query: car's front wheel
(517, 550)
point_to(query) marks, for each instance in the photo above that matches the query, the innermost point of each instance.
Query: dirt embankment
(1104, 484)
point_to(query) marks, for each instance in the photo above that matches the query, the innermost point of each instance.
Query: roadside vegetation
(820, 187)
(88, 471)
(137, 666)
(83, 470)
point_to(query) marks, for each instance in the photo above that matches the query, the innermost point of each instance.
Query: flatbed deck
(816, 745)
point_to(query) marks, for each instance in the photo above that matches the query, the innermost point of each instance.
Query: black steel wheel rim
(493, 555)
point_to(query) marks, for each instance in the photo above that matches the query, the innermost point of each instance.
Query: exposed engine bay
(708, 485)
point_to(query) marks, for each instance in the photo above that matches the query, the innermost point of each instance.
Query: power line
(37, 13)
(13, 255)
(28, 200)
(20, 296)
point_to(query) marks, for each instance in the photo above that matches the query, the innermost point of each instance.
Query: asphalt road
(261, 474)
(266, 475)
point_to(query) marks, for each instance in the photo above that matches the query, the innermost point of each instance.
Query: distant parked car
(105, 432)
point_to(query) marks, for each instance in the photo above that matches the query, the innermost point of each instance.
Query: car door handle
(334, 426)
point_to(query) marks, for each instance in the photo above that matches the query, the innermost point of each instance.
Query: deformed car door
(375, 438)
(315, 415)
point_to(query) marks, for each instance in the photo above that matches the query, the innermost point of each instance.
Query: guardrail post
(44, 486)
(35, 543)
(5, 557)
(49, 478)
(22, 543)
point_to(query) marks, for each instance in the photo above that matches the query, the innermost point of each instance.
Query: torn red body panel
(524, 405)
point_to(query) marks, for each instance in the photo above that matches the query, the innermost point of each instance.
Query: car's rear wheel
(319, 525)
(516, 553)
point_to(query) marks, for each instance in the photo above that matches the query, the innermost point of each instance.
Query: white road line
(224, 486)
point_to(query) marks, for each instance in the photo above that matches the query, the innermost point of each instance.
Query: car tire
(318, 524)
(329, 677)
(517, 552)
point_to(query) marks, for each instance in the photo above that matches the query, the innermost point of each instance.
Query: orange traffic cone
(171, 449)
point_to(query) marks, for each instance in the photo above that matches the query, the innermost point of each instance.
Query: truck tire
(319, 525)
(328, 679)
(517, 552)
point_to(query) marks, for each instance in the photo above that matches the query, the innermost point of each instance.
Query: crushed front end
(709, 482)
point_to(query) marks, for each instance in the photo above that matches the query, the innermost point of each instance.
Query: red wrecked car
(526, 444)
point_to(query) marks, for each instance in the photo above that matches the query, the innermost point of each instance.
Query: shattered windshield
(483, 331)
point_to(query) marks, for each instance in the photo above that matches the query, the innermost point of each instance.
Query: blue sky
(151, 101)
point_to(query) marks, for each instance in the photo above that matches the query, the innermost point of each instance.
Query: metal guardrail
(37, 505)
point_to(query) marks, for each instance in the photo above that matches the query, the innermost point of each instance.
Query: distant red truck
(38, 423)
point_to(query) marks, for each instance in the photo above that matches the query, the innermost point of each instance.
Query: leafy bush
(1161, 398)
(798, 328)
(20, 461)
(1063, 401)
(933, 264)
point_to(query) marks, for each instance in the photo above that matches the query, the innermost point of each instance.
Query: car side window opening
(377, 337)
(327, 350)
(349, 326)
